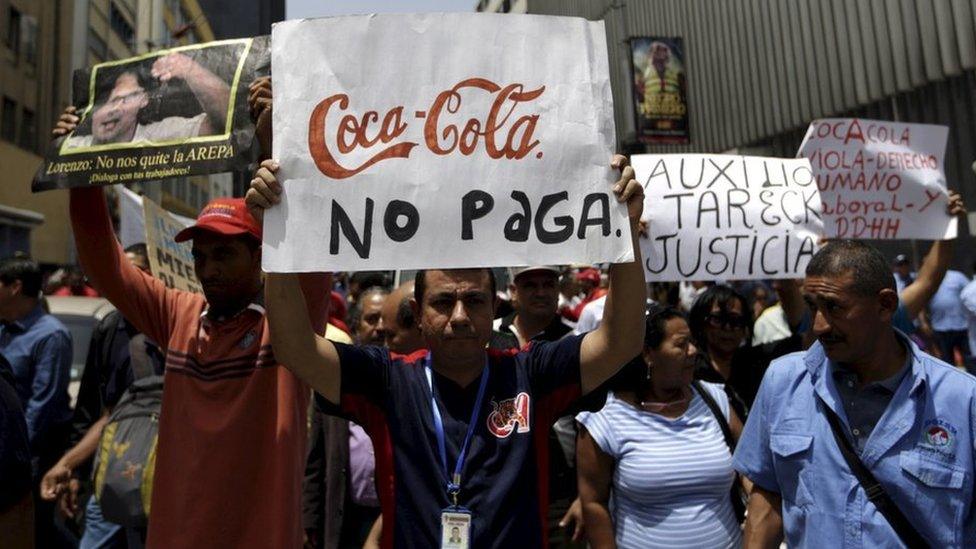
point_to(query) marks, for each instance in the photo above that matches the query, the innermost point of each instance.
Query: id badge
(455, 528)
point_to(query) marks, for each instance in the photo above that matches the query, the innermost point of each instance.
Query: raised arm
(210, 90)
(620, 336)
(594, 476)
(312, 358)
(142, 299)
(917, 295)
(296, 344)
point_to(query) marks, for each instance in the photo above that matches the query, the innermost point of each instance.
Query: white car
(80, 315)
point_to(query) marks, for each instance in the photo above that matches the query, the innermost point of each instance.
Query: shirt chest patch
(510, 415)
(938, 436)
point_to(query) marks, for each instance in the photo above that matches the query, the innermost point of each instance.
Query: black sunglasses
(727, 321)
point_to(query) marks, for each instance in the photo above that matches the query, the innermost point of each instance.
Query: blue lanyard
(454, 480)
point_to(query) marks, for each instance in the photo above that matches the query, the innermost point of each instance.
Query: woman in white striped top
(654, 468)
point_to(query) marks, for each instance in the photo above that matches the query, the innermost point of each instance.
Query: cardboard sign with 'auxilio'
(722, 217)
(442, 140)
(879, 179)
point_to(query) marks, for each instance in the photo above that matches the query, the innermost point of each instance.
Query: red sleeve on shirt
(143, 300)
(316, 288)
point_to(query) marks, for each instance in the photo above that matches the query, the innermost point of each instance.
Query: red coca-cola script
(333, 132)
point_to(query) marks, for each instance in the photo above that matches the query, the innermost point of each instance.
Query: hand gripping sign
(723, 217)
(880, 180)
(442, 140)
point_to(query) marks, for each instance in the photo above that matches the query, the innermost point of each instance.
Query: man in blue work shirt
(910, 418)
(38, 348)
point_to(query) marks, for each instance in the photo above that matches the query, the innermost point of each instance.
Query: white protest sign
(723, 217)
(132, 222)
(879, 179)
(170, 261)
(442, 140)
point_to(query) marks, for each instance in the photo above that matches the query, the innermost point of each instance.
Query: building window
(120, 25)
(8, 122)
(28, 130)
(13, 30)
(29, 31)
(97, 46)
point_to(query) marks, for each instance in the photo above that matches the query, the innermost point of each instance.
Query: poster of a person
(169, 96)
(660, 89)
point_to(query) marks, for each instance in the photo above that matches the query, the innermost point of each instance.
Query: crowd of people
(526, 407)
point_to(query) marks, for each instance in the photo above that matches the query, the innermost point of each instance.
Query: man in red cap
(232, 432)
(589, 280)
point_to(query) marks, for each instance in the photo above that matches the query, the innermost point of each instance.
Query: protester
(902, 415)
(569, 294)
(16, 504)
(759, 300)
(655, 469)
(535, 297)
(401, 333)
(339, 502)
(968, 298)
(232, 430)
(721, 325)
(365, 316)
(688, 292)
(590, 284)
(590, 316)
(38, 348)
(902, 269)
(948, 317)
(74, 284)
(108, 373)
(499, 481)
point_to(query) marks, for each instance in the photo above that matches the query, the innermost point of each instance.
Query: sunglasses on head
(727, 320)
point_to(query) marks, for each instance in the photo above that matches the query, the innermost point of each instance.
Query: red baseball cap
(226, 216)
(588, 275)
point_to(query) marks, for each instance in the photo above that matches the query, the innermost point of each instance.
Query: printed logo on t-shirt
(508, 414)
(249, 338)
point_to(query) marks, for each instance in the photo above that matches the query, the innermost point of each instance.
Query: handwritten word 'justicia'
(332, 133)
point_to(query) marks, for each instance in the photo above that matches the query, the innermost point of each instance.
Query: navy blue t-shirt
(504, 481)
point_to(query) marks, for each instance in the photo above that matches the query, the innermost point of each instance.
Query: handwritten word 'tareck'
(331, 132)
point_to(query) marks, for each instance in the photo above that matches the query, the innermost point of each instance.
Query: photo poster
(170, 261)
(169, 113)
(479, 156)
(660, 90)
(880, 180)
(718, 217)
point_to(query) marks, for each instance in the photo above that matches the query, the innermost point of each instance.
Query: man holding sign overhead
(475, 163)
(460, 432)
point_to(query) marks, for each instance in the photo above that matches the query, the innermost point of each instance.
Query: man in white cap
(535, 296)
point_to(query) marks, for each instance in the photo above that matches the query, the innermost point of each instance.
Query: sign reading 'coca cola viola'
(880, 179)
(442, 140)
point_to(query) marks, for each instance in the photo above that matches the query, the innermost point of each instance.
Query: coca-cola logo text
(499, 133)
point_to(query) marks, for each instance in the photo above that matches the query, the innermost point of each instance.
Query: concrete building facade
(41, 44)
